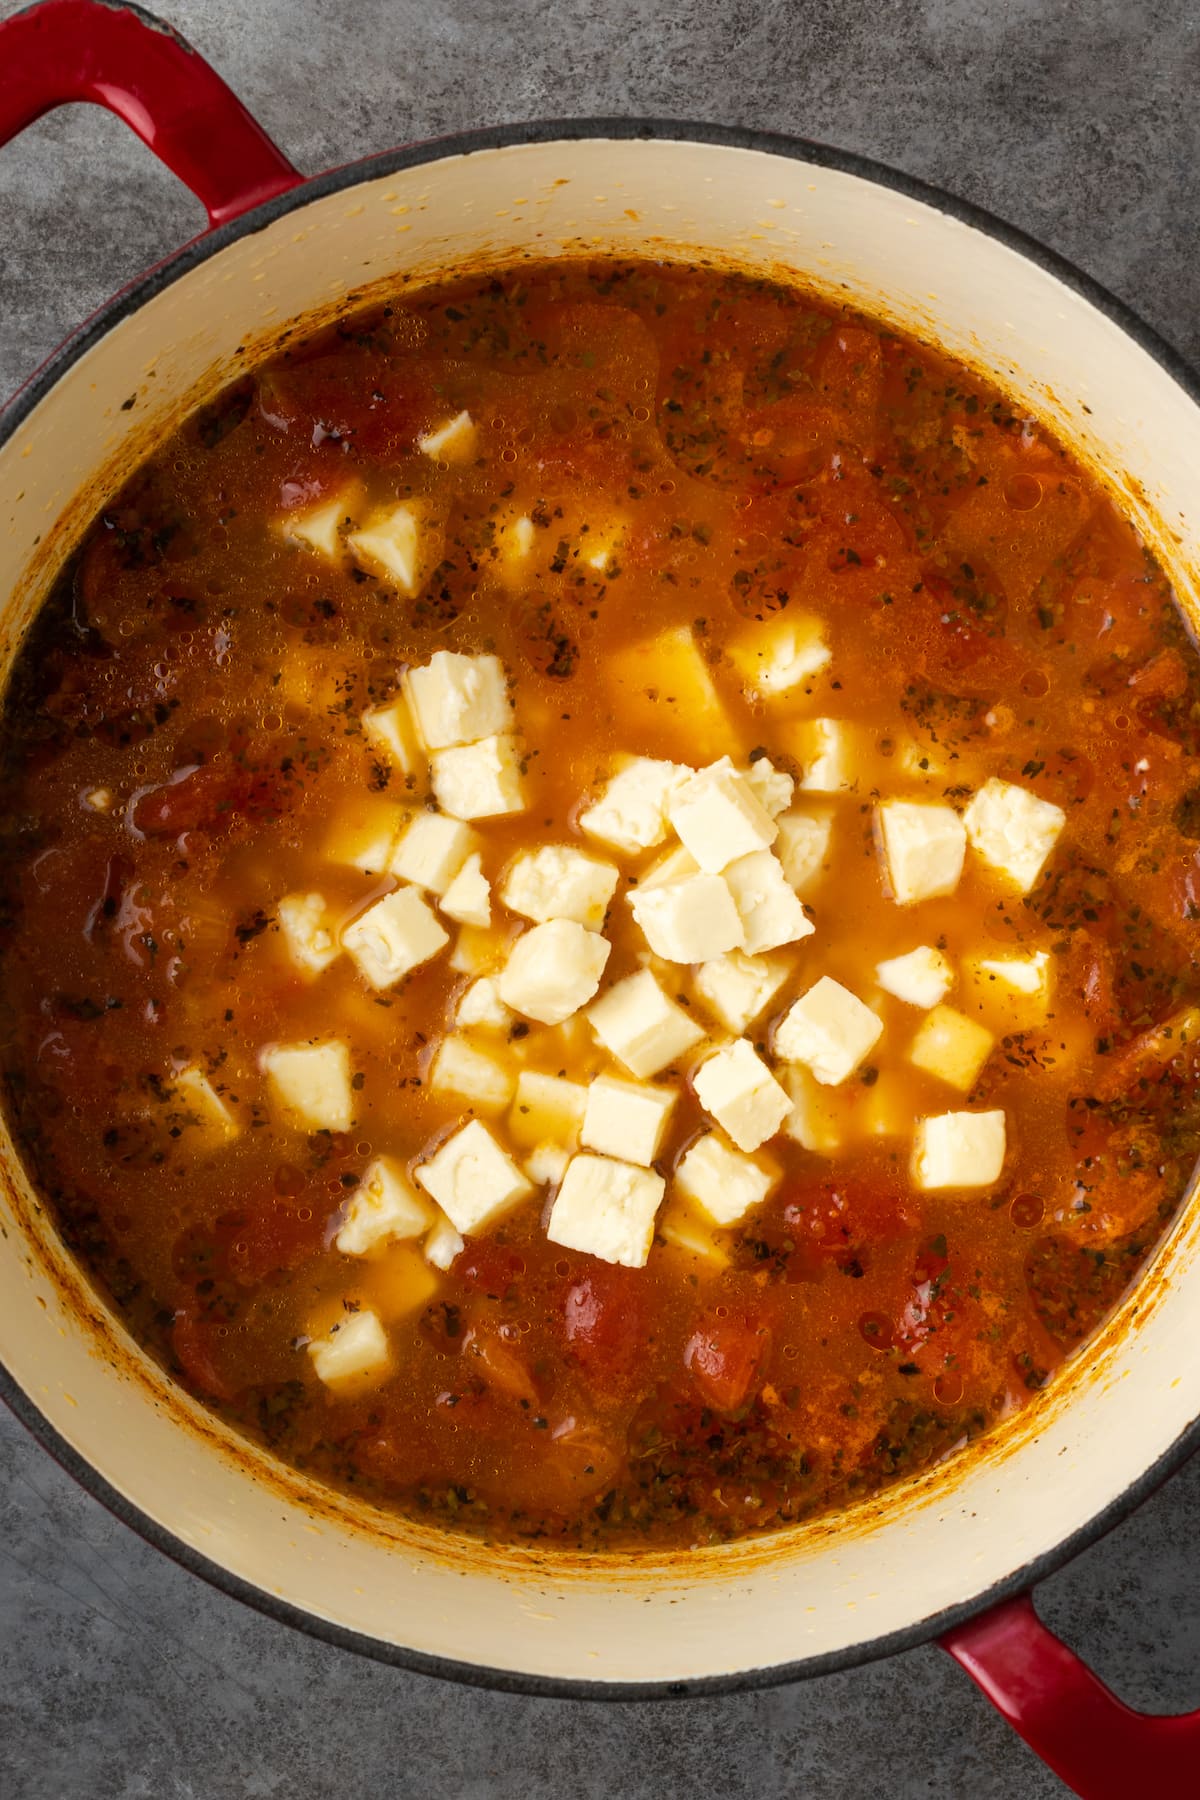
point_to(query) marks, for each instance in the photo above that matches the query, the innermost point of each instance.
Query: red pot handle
(140, 68)
(1102, 1748)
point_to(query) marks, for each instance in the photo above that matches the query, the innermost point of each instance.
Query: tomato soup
(599, 905)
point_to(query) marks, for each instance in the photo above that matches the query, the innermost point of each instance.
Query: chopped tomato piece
(724, 1354)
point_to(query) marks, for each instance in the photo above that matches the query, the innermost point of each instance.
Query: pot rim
(13, 413)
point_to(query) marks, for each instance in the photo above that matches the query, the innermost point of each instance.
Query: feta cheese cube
(478, 952)
(672, 865)
(443, 1244)
(472, 1075)
(920, 977)
(354, 1354)
(688, 1232)
(473, 1180)
(626, 1118)
(718, 817)
(769, 909)
(772, 788)
(393, 937)
(742, 1095)
(1013, 831)
(778, 655)
(482, 1007)
(722, 1183)
(631, 813)
(468, 899)
(390, 545)
(459, 699)
(553, 970)
(739, 988)
(194, 1105)
(1012, 993)
(479, 781)
(638, 1025)
(547, 1165)
(824, 748)
(664, 688)
(557, 882)
(321, 527)
(924, 843)
(310, 1083)
(885, 1108)
(959, 1150)
(829, 1030)
(382, 1209)
(951, 1046)
(512, 546)
(308, 932)
(689, 920)
(457, 441)
(818, 1120)
(363, 833)
(606, 1209)
(391, 729)
(399, 1282)
(802, 847)
(431, 851)
(547, 1108)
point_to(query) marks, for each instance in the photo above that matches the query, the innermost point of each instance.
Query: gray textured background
(120, 1676)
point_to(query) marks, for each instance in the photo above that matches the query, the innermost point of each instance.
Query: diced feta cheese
(553, 970)
(193, 1105)
(1013, 830)
(686, 1231)
(924, 843)
(321, 527)
(921, 977)
(772, 788)
(626, 1119)
(718, 817)
(390, 545)
(473, 1180)
(606, 1208)
(473, 1075)
(482, 1007)
(479, 781)
(478, 952)
(469, 896)
(391, 729)
(829, 1030)
(547, 1165)
(689, 920)
(431, 851)
(100, 800)
(803, 847)
(513, 543)
(355, 1353)
(769, 909)
(950, 1046)
(742, 1095)
(672, 865)
(664, 688)
(959, 1150)
(724, 1184)
(399, 1282)
(631, 813)
(393, 937)
(457, 441)
(382, 1208)
(311, 1083)
(824, 748)
(557, 882)
(637, 1023)
(778, 655)
(600, 547)
(547, 1108)
(363, 833)
(459, 699)
(443, 1244)
(885, 1108)
(1009, 992)
(817, 1121)
(308, 932)
(739, 988)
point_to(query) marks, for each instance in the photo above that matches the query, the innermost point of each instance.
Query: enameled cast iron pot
(952, 1554)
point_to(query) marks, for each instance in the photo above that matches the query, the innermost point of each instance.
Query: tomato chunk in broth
(599, 905)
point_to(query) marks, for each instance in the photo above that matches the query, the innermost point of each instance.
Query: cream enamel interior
(828, 1588)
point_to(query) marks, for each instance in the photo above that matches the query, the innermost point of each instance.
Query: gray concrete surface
(120, 1676)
